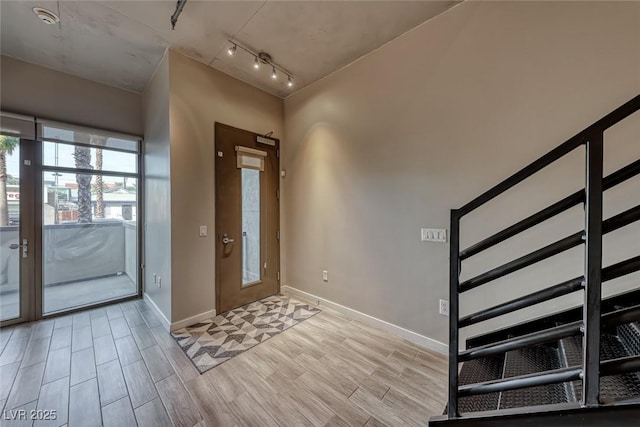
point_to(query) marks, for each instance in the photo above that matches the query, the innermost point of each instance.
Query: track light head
(256, 63)
(232, 49)
(290, 82)
(274, 75)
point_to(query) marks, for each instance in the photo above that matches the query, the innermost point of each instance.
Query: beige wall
(199, 97)
(37, 91)
(157, 195)
(389, 144)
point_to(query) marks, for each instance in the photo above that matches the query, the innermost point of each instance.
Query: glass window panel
(250, 226)
(64, 155)
(10, 232)
(68, 133)
(89, 239)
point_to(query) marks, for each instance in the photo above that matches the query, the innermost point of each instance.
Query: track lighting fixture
(260, 58)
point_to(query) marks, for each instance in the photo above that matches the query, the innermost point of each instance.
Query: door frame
(26, 289)
(31, 286)
(217, 126)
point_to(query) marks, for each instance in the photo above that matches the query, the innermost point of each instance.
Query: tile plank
(100, 327)
(14, 350)
(111, 382)
(139, 383)
(26, 386)
(142, 336)
(83, 366)
(181, 364)
(7, 375)
(114, 311)
(61, 337)
(36, 351)
(81, 338)
(157, 364)
(152, 414)
(58, 365)
(104, 349)
(119, 414)
(54, 396)
(213, 407)
(181, 408)
(84, 405)
(127, 350)
(119, 327)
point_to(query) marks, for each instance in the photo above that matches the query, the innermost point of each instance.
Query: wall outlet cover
(325, 275)
(444, 307)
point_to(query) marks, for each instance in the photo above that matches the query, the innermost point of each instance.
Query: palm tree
(7, 145)
(98, 186)
(82, 157)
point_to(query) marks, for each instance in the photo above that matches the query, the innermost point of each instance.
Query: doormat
(214, 341)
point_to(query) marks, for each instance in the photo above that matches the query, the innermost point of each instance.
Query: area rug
(214, 341)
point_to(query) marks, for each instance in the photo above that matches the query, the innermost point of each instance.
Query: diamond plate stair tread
(629, 335)
(614, 387)
(525, 361)
(475, 371)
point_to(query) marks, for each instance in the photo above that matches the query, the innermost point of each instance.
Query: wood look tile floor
(117, 366)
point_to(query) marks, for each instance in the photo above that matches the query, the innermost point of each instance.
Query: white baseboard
(193, 320)
(169, 326)
(163, 319)
(411, 336)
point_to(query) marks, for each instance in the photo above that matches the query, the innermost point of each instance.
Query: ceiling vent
(46, 16)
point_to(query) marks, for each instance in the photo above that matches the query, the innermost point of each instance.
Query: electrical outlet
(160, 283)
(444, 307)
(434, 235)
(325, 275)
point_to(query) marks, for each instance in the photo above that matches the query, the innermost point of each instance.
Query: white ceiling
(120, 43)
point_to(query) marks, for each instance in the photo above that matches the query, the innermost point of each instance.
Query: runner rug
(214, 341)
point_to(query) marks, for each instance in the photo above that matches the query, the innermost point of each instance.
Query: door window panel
(10, 251)
(250, 226)
(89, 236)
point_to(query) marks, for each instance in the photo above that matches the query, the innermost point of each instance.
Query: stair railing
(592, 197)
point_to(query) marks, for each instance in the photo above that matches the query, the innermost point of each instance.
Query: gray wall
(157, 195)
(389, 144)
(199, 97)
(37, 91)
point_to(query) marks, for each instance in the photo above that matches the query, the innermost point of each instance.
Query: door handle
(226, 240)
(24, 246)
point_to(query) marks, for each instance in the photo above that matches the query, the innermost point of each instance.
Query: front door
(247, 217)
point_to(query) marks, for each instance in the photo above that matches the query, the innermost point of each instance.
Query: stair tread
(529, 360)
(614, 387)
(480, 370)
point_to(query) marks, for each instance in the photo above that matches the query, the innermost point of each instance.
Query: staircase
(579, 367)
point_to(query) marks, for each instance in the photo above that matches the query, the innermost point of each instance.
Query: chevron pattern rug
(214, 341)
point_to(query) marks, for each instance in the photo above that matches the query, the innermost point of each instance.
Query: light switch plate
(203, 230)
(434, 235)
(325, 275)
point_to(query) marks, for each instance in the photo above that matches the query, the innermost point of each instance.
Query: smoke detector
(46, 16)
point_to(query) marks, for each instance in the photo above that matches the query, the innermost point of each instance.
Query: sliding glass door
(14, 250)
(69, 218)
